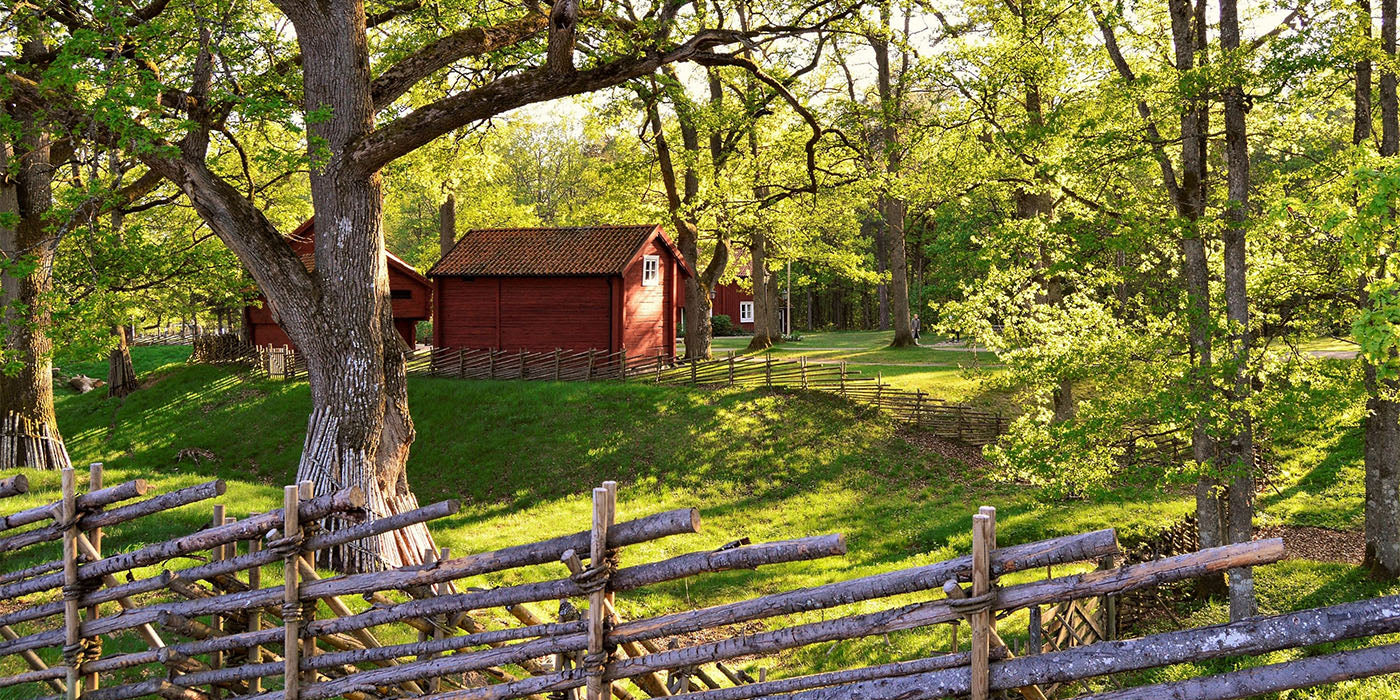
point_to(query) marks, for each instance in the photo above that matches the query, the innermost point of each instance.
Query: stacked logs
(31, 443)
(215, 629)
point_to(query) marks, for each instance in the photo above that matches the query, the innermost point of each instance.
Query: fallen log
(14, 486)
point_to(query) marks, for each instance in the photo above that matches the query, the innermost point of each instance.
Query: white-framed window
(651, 270)
(745, 312)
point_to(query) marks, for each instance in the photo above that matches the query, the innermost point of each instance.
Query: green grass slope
(522, 457)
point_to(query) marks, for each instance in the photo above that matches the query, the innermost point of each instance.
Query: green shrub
(721, 324)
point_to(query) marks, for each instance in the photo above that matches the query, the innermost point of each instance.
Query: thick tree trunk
(765, 335)
(1189, 43)
(1240, 444)
(447, 224)
(875, 230)
(899, 273)
(699, 331)
(360, 430)
(121, 375)
(29, 435)
(1382, 458)
(1382, 423)
(890, 205)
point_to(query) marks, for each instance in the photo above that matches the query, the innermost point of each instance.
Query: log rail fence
(256, 619)
(949, 420)
(960, 422)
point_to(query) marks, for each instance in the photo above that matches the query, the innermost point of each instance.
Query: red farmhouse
(580, 288)
(736, 303)
(409, 292)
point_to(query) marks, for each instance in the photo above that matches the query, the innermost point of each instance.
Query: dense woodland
(1141, 208)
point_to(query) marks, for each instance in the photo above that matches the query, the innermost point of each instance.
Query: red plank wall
(416, 307)
(649, 312)
(727, 298)
(523, 313)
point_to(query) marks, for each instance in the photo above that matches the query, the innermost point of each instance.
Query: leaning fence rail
(255, 619)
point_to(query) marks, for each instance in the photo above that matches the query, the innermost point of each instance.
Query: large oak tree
(173, 83)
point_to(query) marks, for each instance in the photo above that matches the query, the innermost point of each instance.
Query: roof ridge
(530, 251)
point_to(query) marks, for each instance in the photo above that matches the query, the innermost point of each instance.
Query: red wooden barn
(730, 300)
(577, 288)
(409, 292)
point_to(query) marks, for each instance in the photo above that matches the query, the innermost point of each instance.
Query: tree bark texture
(360, 430)
(1189, 44)
(891, 206)
(1381, 427)
(121, 374)
(447, 223)
(765, 333)
(1240, 444)
(681, 195)
(29, 436)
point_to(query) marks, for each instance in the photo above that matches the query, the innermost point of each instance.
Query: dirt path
(1318, 543)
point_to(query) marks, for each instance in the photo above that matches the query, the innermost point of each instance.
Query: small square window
(400, 293)
(651, 270)
(745, 312)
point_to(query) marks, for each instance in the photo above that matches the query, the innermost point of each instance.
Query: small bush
(721, 324)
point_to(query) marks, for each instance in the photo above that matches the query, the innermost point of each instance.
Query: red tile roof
(303, 241)
(576, 251)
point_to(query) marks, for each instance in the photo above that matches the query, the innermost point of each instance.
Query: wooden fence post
(1034, 630)
(598, 688)
(919, 407)
(843, 379)
(1108, 605)
(216, 622)
(255, 615)
(658, 366)
(306, 490)
(983, 541)
(692, 372)
(623, 372)
(94, 536)
(768, 369)
(71, 621)
(589, 375)
(731, 368)
(291, 602)
(803, 363)
(556, 364)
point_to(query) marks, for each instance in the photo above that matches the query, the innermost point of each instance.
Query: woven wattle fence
(236, 609)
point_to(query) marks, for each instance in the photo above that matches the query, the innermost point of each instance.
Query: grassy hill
(522, 457)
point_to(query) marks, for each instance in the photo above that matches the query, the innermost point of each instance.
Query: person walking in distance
(914, 326)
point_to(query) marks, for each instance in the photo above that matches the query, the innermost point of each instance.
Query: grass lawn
(522, 457)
